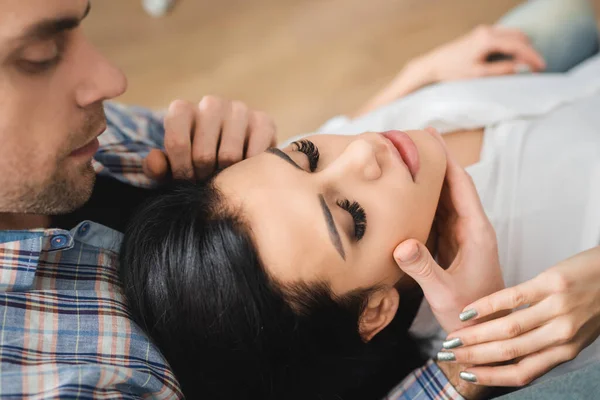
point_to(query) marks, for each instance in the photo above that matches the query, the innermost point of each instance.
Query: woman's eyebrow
(283, 156)
(334, 235)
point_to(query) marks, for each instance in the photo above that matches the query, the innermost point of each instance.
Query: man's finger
(209, 121)
(527, 343)
(523, 372)
(233, 138)
(262, 134)
(156, 165)
(507, 327)
(415, 260)
(462, 192)
(179, 123)
(507, 299)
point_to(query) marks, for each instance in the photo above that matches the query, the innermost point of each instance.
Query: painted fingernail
(446, 356)
(467, 315)
(452, 343)
(467, 376)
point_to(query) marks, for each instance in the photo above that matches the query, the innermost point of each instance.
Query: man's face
(52, 85)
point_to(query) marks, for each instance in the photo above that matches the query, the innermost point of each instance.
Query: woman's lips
(406, 149)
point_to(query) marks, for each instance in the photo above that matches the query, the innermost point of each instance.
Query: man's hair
(195, 283)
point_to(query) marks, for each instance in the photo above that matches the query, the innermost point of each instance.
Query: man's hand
(563, 319)
(214, 134)
(467, 252)
(467, 390)
(468, 262)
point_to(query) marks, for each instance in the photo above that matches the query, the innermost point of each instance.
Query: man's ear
(379, 312)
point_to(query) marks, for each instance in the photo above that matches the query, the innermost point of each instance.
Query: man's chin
(83, 188)
(71, 192)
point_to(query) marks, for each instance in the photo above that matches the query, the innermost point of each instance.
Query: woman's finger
(523, 372)
(498, 68)
(507, 299)
(179, 123)
(233, 137)
(512, 32)
(508, 327)
(505, 350)
(209, 120)
(520, 50)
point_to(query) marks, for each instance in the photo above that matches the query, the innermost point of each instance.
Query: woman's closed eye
(312, 152)
(358, 216)
(353, 208)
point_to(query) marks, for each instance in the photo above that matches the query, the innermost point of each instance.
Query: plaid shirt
(426, 383)
(65, 331)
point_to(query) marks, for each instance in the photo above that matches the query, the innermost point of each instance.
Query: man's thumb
(415, 260)
(155, 165)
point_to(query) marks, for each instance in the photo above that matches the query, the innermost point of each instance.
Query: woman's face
(340, 222)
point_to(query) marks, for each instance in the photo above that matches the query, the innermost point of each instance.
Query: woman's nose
(358, 162)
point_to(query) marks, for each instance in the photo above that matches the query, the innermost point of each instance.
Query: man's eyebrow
(283, 156)
(48, 28)
(333, 232)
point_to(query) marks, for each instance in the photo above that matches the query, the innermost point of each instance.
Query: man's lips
(90, 148)
(405, 149)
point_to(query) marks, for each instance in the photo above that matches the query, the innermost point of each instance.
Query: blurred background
(302, 61)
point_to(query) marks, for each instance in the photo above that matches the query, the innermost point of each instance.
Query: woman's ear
(379, 312)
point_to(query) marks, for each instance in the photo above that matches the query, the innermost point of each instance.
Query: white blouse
(539, 174)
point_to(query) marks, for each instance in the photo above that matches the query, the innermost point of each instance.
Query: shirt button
(59, 242)
(84, 229)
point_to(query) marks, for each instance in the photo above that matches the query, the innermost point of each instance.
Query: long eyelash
(312, 152)
(358, 215)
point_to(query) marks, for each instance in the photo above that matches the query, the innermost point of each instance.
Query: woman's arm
(464, 58)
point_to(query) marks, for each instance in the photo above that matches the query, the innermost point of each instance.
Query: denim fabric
(583, 384)
(563, 31)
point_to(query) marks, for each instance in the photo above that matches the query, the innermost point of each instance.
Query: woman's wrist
(416, 74)
(419, 72)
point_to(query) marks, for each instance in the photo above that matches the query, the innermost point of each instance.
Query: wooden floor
(303, 61)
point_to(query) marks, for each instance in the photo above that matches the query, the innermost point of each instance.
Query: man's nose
(105, 81)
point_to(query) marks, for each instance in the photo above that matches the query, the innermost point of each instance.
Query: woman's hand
(563, 318)
(467, 252)
(212, 135)
(467, 57)
(464, 58)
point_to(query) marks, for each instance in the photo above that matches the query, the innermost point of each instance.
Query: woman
(229, 272)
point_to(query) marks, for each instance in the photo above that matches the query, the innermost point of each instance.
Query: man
(65, 331)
